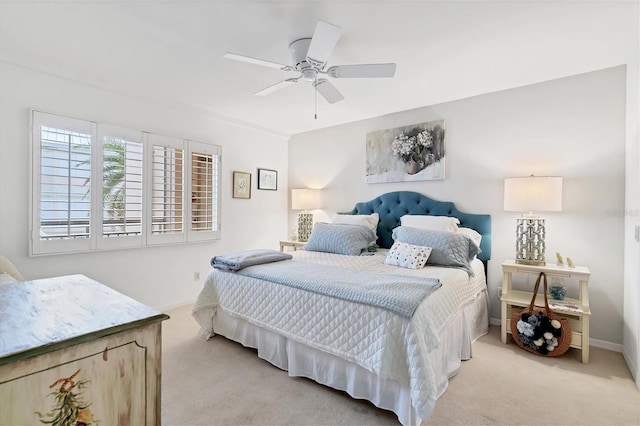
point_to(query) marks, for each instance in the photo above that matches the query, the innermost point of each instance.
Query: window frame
(122, 241)
(38, 245)
(96, 241)
(213, 150)
(151, 141)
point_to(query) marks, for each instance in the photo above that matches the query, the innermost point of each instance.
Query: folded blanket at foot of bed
(400, 294)
(242, 259)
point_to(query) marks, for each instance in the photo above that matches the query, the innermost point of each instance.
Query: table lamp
(305, 199)
(530, 195)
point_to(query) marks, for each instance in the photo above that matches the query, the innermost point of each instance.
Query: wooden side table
(576, 310)
(295, 245)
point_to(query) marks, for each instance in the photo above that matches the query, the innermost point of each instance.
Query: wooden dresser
(74, 351)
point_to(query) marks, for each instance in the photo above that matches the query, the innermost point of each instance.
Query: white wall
(572, 127)
(631, 332)
(160, 276)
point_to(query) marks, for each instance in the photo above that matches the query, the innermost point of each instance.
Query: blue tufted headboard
(392, 205)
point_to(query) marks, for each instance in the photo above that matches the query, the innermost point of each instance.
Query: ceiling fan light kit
(309, 58)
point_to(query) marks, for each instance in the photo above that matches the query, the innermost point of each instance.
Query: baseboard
(603, 344)
(615, 347)
(176, 305)
(632, 365)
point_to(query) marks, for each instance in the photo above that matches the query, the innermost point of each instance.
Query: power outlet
(196, 276)
(637, 233)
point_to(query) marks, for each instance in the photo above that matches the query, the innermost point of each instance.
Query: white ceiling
(171, 51)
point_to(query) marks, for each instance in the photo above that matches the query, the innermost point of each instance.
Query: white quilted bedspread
(383, 343)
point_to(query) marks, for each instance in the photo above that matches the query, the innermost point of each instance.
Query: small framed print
(241, 185)
(268, 179)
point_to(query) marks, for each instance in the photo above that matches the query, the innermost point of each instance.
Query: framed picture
(241, 185)
(408, 153)
(268, 179)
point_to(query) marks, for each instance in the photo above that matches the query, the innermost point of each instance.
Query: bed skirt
(301, 360)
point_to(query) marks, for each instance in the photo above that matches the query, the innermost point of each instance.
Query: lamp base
(531, 262)
(530, 246)
(305, 225)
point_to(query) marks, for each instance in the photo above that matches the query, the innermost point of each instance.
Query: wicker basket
(564, 340)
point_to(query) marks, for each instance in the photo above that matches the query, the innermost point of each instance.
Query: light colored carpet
(220, 382)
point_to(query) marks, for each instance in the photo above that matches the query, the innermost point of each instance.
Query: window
(205, 172)
(167, 191)
(65, 171)
(166, 215)
(120, 192)
(97, 186)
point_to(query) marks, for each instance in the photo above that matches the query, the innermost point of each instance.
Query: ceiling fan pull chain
(315, 98)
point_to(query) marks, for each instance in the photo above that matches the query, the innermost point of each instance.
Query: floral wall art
(409, 153)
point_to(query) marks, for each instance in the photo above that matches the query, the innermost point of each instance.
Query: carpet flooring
(220, 382)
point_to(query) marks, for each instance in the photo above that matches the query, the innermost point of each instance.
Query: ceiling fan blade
(275, 87)
(322, 43)
(256, 61)
(362, 70)
(328, 91)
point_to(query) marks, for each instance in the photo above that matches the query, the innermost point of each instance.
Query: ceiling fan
(309, 58)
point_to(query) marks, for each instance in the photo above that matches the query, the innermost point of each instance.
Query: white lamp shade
(533, 194)
(305, 199)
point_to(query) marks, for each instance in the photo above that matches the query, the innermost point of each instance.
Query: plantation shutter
(204, 190)
(62, 165)
(98, 187)
(167, 171)
(121, 187)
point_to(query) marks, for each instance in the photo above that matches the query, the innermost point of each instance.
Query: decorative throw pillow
(434, 223)
(340, 238)
(407, 255)
(447, 248)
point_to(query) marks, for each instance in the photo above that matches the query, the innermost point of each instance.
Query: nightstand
(295, 245)
(576, 310)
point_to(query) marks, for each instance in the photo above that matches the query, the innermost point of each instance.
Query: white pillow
(471, 233)
(368, 220)
(407, 255)
(430, 223)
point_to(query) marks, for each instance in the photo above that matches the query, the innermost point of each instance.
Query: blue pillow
(447, 248)
(339, 238)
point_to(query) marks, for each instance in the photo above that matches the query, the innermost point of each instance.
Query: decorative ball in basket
(538, 330)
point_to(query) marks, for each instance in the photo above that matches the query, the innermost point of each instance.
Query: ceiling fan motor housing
(298, 50)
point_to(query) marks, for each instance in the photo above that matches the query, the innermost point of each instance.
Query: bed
(397, 359)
